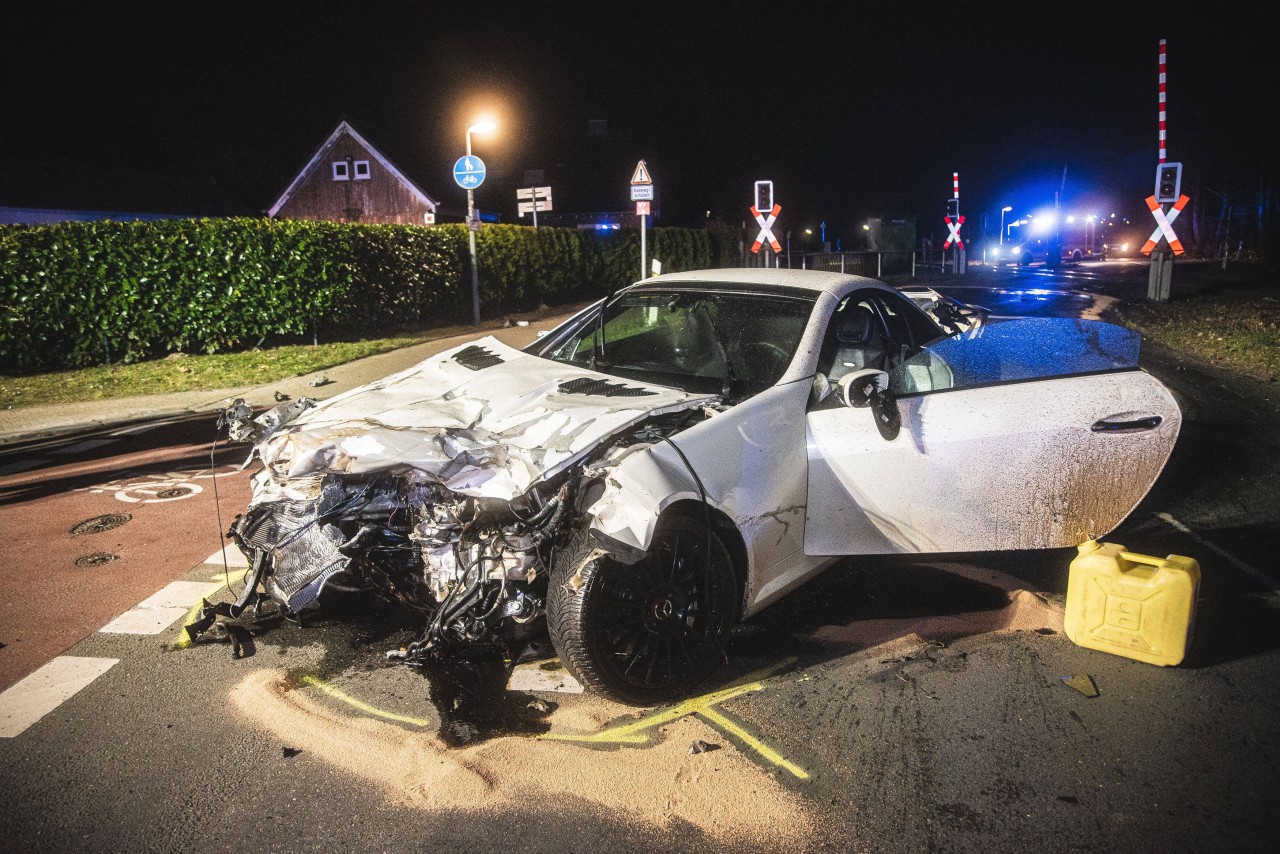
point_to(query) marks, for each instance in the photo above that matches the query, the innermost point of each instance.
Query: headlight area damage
(448, 488)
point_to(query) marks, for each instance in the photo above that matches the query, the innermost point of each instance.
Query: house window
(341, 170)
(362, 170)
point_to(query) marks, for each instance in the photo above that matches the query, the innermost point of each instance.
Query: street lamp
(482, 126)
(1004, 210)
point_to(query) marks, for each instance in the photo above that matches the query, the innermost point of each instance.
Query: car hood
(484, 419)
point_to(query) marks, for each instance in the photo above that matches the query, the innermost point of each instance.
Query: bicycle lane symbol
(134, 488)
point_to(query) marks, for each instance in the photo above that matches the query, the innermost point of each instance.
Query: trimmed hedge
(84, 293)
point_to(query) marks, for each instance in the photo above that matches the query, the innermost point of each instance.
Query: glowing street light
(481, 127)
(1004, 210)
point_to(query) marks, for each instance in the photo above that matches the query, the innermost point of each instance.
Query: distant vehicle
(1076, 239)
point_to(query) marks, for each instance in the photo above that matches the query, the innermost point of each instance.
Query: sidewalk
(42, 422)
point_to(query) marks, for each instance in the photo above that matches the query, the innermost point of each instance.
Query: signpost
(468, 173)
(954, 220)
(641, 194)
(539, 199)
(1168, 191)
(763, 201)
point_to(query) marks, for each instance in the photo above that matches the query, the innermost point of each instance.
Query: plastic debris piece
(290, 752)
(281, 396)
(700, 746)
(1082, 682)
(320, 380)
(539, 705)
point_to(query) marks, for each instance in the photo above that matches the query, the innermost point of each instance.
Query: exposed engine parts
(476, 568)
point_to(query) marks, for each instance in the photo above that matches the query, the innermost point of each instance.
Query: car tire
(649, 632)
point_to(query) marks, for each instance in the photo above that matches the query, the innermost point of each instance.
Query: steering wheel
(764, 360)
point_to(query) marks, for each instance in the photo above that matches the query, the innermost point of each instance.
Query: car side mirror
(870, 387)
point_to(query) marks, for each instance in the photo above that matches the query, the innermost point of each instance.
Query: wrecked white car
(680, 455)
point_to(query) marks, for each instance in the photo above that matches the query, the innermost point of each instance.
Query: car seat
(859, 343)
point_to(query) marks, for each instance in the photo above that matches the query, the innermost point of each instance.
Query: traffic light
(1168, 182)
(764, 196)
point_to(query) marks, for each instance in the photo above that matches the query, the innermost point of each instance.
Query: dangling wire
(217, 502)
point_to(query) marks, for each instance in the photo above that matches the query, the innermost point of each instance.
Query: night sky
(854, 110)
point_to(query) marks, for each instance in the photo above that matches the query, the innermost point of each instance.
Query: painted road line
(142, 428)
(1257, 574)
(86, 445)
(637, 732)
(26, 702)
(339, 694)
(21, 465)
(231, 554)
(161, 609)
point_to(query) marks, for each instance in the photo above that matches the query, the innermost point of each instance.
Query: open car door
(1023, 434)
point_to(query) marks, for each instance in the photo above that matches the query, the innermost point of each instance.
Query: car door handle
(1147, 423)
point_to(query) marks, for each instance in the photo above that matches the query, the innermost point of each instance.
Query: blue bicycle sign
(468, 172)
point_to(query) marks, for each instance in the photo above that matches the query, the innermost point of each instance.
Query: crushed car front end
(446, 488)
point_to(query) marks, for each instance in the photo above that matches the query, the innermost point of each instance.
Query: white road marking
(1257, 574)
(86, 445)
(161, 609)
(40, 693)
(20, 465)
(142, 428)
(233, 555)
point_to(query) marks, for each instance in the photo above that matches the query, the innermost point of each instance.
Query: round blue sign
(468, 172)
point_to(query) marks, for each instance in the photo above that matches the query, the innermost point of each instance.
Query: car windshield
(1016, 349)
(704, 340)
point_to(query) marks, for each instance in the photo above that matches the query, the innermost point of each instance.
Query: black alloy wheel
(649, 632)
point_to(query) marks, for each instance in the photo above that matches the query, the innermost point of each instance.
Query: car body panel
(488, 430)
(1023, 434)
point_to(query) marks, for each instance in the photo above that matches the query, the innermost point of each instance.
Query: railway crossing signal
(1164, 225)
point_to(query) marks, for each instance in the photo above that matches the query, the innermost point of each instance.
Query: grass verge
(182, 372)
(1235, 329)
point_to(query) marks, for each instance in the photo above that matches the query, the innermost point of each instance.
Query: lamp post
(484, 126)
(1004, 210)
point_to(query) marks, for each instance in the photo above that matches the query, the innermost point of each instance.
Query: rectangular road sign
(534, 192)
(527, 207)
(642, 208)
(641, 192)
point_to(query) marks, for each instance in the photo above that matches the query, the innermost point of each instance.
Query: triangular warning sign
(642, 174)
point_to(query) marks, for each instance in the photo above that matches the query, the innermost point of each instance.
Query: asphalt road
(891, 705)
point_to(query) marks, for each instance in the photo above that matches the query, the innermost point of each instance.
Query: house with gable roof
(348, 180)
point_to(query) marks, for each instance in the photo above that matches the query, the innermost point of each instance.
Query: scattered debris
(281, 397)
(540, 705)
(700, 746)
(1082, 682)
(290, 752)
(320, 380)
(239, 623)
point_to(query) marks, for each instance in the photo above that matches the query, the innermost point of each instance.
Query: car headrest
(857, 327)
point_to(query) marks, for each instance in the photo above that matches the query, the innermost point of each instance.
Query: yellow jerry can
(1134, 605)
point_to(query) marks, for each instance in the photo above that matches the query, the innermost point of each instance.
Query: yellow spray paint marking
(339, 694)
(636, 731)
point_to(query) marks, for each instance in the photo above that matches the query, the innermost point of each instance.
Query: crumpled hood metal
(484, 419)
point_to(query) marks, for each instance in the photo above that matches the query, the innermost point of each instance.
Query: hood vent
(477, 358)
(601, 388)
